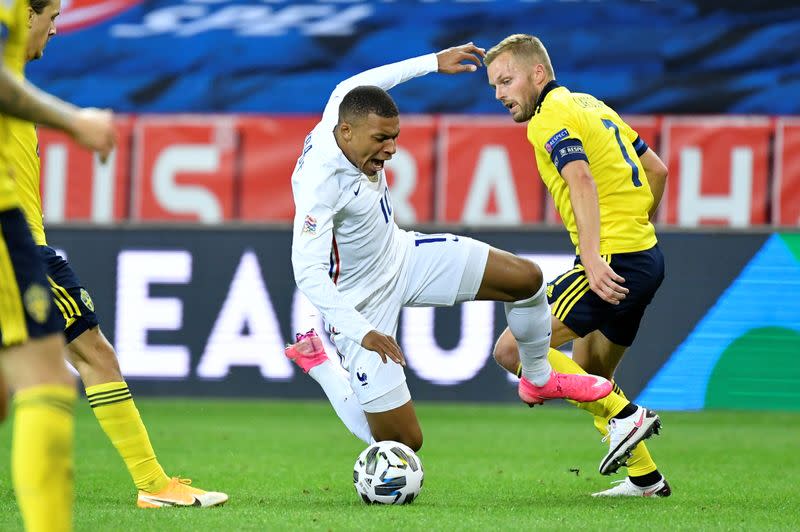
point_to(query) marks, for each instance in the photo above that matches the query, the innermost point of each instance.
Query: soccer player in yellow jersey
(606, 183)
(31, 342)
(87, 348)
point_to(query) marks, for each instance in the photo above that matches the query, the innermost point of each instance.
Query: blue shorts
(26, 308)
(574, 304)
(76, 305)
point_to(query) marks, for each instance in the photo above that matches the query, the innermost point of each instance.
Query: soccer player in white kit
(358, 268)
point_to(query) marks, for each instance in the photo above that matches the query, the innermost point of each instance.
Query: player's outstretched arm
(656, 172)
(92, 128)
(585, 205)
(463, 58)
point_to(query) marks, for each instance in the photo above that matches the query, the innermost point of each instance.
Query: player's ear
(346, 131)
(31, 13)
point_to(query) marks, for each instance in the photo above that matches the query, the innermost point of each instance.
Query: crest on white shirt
(310, 225)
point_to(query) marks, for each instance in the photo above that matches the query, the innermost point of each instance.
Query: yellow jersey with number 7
(569, 126)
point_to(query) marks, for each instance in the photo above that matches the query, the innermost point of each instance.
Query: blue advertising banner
(273, 56)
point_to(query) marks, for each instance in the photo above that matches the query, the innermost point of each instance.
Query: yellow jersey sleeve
(572, 126)
(24, 152)
(13, 38)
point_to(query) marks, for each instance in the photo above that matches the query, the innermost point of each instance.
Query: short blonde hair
(521, 45)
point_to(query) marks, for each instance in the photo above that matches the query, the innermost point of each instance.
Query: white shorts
(440, 271)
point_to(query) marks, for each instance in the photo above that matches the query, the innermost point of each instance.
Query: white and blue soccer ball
(388, 472)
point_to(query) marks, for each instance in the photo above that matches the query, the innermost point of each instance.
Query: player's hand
(94, 129)
(451, 61)
(603, 280)
(385, 346)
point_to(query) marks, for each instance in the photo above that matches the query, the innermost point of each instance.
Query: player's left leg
(506, 354)
(519, 284)
(391, 422)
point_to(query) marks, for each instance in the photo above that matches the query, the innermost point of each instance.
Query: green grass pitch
(288, 465)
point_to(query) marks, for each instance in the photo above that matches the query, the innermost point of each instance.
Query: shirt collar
(545, 91)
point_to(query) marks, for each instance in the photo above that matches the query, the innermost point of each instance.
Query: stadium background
(183, 239)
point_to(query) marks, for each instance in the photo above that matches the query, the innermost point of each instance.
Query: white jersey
(345, 243)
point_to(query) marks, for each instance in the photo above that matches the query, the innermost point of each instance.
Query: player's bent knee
(92, 352)
(528, 277)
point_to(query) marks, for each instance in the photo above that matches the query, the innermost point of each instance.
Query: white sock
(529, 321)
(344, 401)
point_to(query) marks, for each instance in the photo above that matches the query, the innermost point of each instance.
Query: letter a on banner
(247, 307)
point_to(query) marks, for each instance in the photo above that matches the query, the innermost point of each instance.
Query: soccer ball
(388, 472)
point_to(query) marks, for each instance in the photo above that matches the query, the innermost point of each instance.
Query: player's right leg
(309, 354)
(626, 434)
(32, 361)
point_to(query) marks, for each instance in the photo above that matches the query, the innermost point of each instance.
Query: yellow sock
(608, 407)
(640, 463)
(113, 406)
(42, 456)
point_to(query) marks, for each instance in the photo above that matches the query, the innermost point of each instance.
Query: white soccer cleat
(626, 488)
(625, 434)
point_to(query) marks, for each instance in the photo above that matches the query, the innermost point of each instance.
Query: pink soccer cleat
(582, 388)
(307, 352)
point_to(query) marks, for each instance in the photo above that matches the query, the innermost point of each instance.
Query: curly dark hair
(365, 100)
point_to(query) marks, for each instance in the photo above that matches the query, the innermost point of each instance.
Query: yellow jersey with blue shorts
(72, 300)
(569, 127)
(26, 308)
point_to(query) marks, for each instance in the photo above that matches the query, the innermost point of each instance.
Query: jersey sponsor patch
(310, 225)
(550, 144)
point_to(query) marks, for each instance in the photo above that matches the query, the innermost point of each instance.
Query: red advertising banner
(736, 171)
(270, 147)
(487, 173)
(719, 170)
(75, 185)
(786, 191)
(183, 168)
